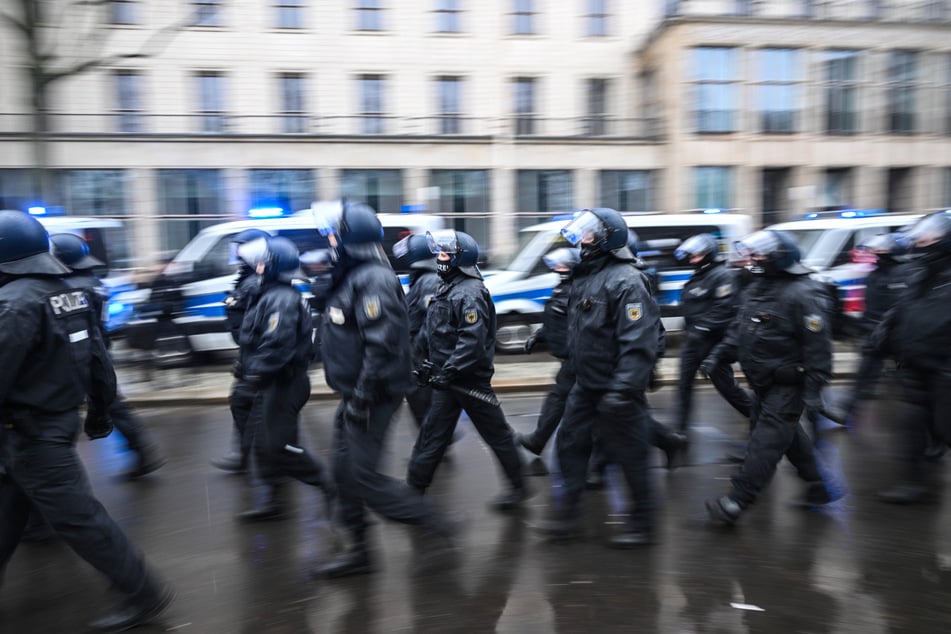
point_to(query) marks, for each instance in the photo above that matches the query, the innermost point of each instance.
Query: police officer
(458, 339)
(709, 300)
(884, 287)
(554, 332)
(245, 292)
(782, 340)
(613, 335)
(54, 359)
(276, 349)
(917, 332)
(73, 251)
(423, 282)
(366, 352)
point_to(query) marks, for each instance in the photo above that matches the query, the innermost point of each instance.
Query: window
(935, 10)
(210, 100)
(369, 15)
(837, 188)
(371, 103)
(775, 193)
(945, 196)
(290, 14)
(448, 14)
(778, 90)
(899, 192)
(947, 93)
(524, 98)
(288, 189)
(715, 88)
(543, 192)
(293, 102)
(381, 189)
(123, 12)
(94, 192)
(874, 9)
(17, 190)
(449, 100)
(207, 13)
(523, 17)
(128, 87)
(464, 192)
(597, 107)
(841, 91)
(596, 18)
(743, 7)
(189, 194)
(713, 187)
(901, 91)
(631, 190)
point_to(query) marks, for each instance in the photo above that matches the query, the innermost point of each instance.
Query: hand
(238, 370)
(440, 381)
(530, 343)
(356, 412)
(98, 424)
(709, 365)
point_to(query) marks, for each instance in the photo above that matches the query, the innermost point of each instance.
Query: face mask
(588, 251)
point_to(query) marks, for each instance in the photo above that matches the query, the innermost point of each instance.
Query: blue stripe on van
(209, 305)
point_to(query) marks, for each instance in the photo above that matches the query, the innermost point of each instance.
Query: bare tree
(65, 38)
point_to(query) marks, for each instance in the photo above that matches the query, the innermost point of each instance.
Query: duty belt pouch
(789, 375)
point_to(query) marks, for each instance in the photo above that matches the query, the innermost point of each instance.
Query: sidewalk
(204, 386)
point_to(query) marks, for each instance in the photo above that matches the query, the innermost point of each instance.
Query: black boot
(149, 459)
(674, 446)
(268, 505)
(513, 500)
(559, 525)
(595, 480)
(353, 561)
(232, 463)
(135, 612)
(723, 510)
(913, 493)
(526, 441)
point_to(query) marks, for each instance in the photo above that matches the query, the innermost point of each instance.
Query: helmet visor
(694, 245)
(757, 244)
(928, 231)
(585, 228)
(253, 253)
(563, 257)
(327, 217)
(443, 241)
(401, 248)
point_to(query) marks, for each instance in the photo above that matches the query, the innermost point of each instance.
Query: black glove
(356, 412)
(441, 381)
(98, 423)
(255, 381)
(423, 373)
(238, 370)
(613, 403)
(708, 365)
(530, 343)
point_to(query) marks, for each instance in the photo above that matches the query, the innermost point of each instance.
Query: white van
(521, 289)
(108, 243)
(192, 288)
(827, 241)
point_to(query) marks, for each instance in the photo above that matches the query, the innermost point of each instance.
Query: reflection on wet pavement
(857, 566)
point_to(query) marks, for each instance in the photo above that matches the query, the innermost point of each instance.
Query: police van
(185, 304)
(521, 289)
(108, 243)
(828, 240)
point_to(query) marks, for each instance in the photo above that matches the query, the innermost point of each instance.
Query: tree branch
(19, 25)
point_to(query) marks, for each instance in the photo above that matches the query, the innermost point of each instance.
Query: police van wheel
(511, 334)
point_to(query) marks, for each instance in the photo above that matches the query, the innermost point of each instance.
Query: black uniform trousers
(926, 397)
(553, 408)
(419, 398)
(695, 350)
(624, 436)
(357, 452)
(127, 423)
(49, 477)
(435, 435)
(867, 376)
(276, 414)
(241, 402)
(775, 433)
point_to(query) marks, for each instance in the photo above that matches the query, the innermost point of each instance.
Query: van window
(215, 263)
(305, 239)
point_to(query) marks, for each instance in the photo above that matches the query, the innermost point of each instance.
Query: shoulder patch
(634, 311)
(427, 300)
(814, 323)
(724, 290)
(336, 315)
(471, 316)
(273, 320)
(371, 307)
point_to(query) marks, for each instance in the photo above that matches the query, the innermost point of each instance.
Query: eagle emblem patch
(814, 323)
(634, 311)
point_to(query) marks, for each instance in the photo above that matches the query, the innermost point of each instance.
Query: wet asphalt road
(856, 566)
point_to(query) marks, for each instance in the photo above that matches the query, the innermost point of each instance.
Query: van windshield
(534, 246)
(817, 251)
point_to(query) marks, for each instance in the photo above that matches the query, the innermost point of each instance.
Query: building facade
(498, 113)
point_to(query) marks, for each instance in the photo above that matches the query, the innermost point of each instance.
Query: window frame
(369, 15)
(902, 91)
(704, 195)
(846, 89)
(730, 84)
(793, 83)
(294, 121)
(523, 17)
(212, 120)
(524, 123)
(373, 121)
(450, 120)
(128, 116)
(206, 13)
(284, 9)
(448, 14)
(118, 17)
(596, 18)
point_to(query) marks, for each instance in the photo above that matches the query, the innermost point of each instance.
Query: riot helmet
(703, 246)
(771, 253)
(884, 247)
(253, 253)
(240, 238)
(633, 242)
(598, 230)
(454, 250)
(25, 246)
(281, 261)
(73, 251)
(414, 249)
(930, 237)
(563, 259)
(352, 227)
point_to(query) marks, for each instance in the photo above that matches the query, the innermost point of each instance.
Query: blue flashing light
(412, 209)
(849, 214)
(36, 211)
(712, 211)
(265, 212)
(115, 308)
(812, 216)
